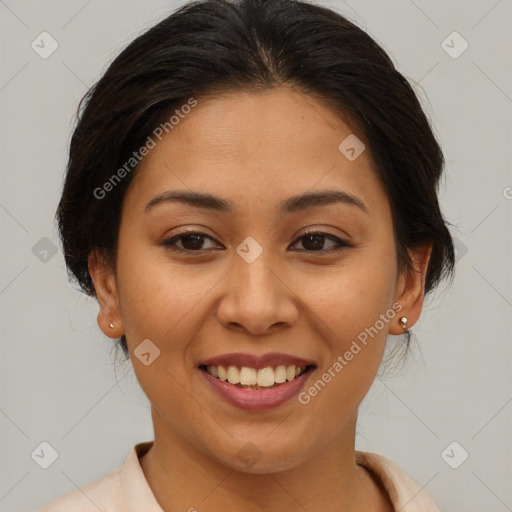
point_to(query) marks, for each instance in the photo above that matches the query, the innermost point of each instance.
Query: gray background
(59, 379)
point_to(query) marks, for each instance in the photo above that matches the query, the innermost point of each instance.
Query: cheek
(159, 302)
(351, 297)
(354, 306)
(156, 297)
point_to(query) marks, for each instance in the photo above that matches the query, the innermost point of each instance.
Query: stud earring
(403, 322)
(111, 325)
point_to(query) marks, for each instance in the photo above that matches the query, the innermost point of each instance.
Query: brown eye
(314, 242)
(190, 242)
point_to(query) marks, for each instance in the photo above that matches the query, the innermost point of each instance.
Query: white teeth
(247, 376)
(280, 374)
(263, 377)
(290, 372)
(266, 377)
(233, 375)
(223, 373)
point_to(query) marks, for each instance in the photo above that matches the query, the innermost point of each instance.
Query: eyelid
(175, 237)
(320, 231)
(341, 243)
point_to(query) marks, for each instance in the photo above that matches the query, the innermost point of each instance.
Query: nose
(257, 297)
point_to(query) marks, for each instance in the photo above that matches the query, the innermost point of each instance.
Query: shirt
(127, 490)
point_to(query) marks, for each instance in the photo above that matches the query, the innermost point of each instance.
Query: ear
(104, 280)
(410, 291)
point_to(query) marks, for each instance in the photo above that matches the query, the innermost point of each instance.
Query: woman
(251, 196)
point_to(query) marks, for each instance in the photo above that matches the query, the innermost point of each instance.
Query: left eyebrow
(321, 198)
(292, 204)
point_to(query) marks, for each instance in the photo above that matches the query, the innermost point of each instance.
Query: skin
(255, 150)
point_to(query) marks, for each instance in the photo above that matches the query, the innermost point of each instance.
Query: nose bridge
(254, 277)
(255, 297)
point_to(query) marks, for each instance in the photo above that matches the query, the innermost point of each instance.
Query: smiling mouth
(245, 377)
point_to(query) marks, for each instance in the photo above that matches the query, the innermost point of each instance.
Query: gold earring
(111, 325)
(403, 322)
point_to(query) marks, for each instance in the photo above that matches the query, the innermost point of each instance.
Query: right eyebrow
(197, 199)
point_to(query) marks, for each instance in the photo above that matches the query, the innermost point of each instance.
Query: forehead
(258, 146)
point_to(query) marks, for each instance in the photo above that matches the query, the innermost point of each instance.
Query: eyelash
(169, 243)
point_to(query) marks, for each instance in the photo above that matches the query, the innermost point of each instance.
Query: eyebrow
(290, 205)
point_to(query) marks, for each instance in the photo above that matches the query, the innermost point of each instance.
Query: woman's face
(253, 290)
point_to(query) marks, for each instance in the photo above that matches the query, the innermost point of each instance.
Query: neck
(185, 478)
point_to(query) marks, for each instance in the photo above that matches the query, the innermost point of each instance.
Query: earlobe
(103, 277)
(411, 289)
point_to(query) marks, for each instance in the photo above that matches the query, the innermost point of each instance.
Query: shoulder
(405, 493)
(124, 489)
(104, 494)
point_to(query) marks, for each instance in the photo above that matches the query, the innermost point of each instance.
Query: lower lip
(256, 399)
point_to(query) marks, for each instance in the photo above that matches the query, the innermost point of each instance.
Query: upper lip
(254, 361)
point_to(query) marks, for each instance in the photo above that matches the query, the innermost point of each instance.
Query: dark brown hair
(212, 46)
